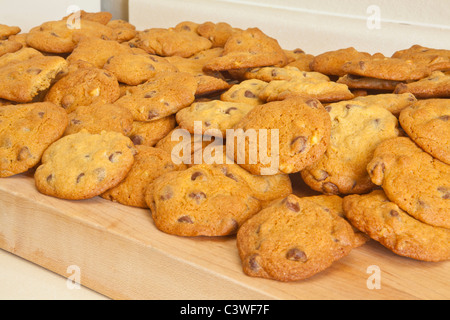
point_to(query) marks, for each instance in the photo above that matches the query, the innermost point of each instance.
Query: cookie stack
(148, 118)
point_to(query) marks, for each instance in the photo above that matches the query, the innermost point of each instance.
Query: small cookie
(163, 95)
(392, 102)
(84, 165)
(218, 33)
(249, 48)
(149, 163)
(97, 51)
(215, 115)
(26, 130)
(331, 62)
(436, 59)
(413, 179)
(246, 91)
(312, 88)
(381, 67)
(427, 123)
(356, 130)
(8, 46)
(62, 36)
(303, 128)
(269, 74)
(386, 223)
(150, 132)
(98, 118)
(293, 239)
(171, 42)
(23, 81)
(84, 87)
(437, 85)
(334, 204)
(124, 30)
(134, 69)
(7, 31)
(200, 201)
(357, 82)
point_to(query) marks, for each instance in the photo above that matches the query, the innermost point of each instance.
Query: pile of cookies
(91, 106)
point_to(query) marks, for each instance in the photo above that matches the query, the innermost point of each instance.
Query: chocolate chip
(198, 196)
(444, 118)
(328, 108)
(380, 166)
(34, 71)
(445, 192)
(322, 175)
(80, 176)
(195, 175)
(151, 67)
(153, 59)
(296, 254)
(185, 219)
(54, 34)
(152, 114)
(109, 59)
(362, 65)
(137, 140)
(274, 73)
(330, 188)
(298, 51)
(313, 103)
(75, 121)
(114, 157)
(249, 94)
(23, 154)
(168, 194)
(50, 178)
(293, 206)
(41, 114)
(150, 94)
(394, 213)
(230, 109)
(253, 264)
(299, 144)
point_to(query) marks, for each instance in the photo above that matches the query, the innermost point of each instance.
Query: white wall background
(27, 14)
(315, 26)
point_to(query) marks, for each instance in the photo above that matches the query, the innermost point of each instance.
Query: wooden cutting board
(119, 253)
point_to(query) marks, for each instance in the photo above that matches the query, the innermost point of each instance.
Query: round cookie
(356, 131)
(149, 164)
(84, 165)
(163, 95)
(98, 118)
(331, 62)
(83, 87)
(246, 91)
(26, 130)
(414, 180)
(386, 223)
(149, 133)
(293, 239)
(200, 201)
(427, 123)
(303, 128)
(215, 115)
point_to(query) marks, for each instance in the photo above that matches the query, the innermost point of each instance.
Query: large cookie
(149, 164)
(386, 223)
(200, 201)
(83, 87)
(356, 131)
(23, 81)
(293, 239)
(427, 123)
(436, 59)
(303, 128)
(163, 95)
(249, 48)
(413, 179)
(84, 165)
(25, 132)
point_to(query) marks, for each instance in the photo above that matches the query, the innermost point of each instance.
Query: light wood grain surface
(121, 254)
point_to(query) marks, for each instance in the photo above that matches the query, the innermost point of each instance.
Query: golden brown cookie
(269, 74)
(246, 91)
(200, 201)
(218, 33)
(297, 58)
(356, 130)
(83, 87)
(7, 46)
(22, 81)
(366, 83)
(98, 118)
(293, 239)
(163, 95)
(150, 132)
(303, 129)
(331, 62)
(249, 48)
(26, 130)
(84, 165)
(427, 123)
(386, 223)
(7, 31)
(413, 179)
(18, 56)
(437, 85)
(149, 164)
(436, 59)
(124, 30)
(392, 102)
